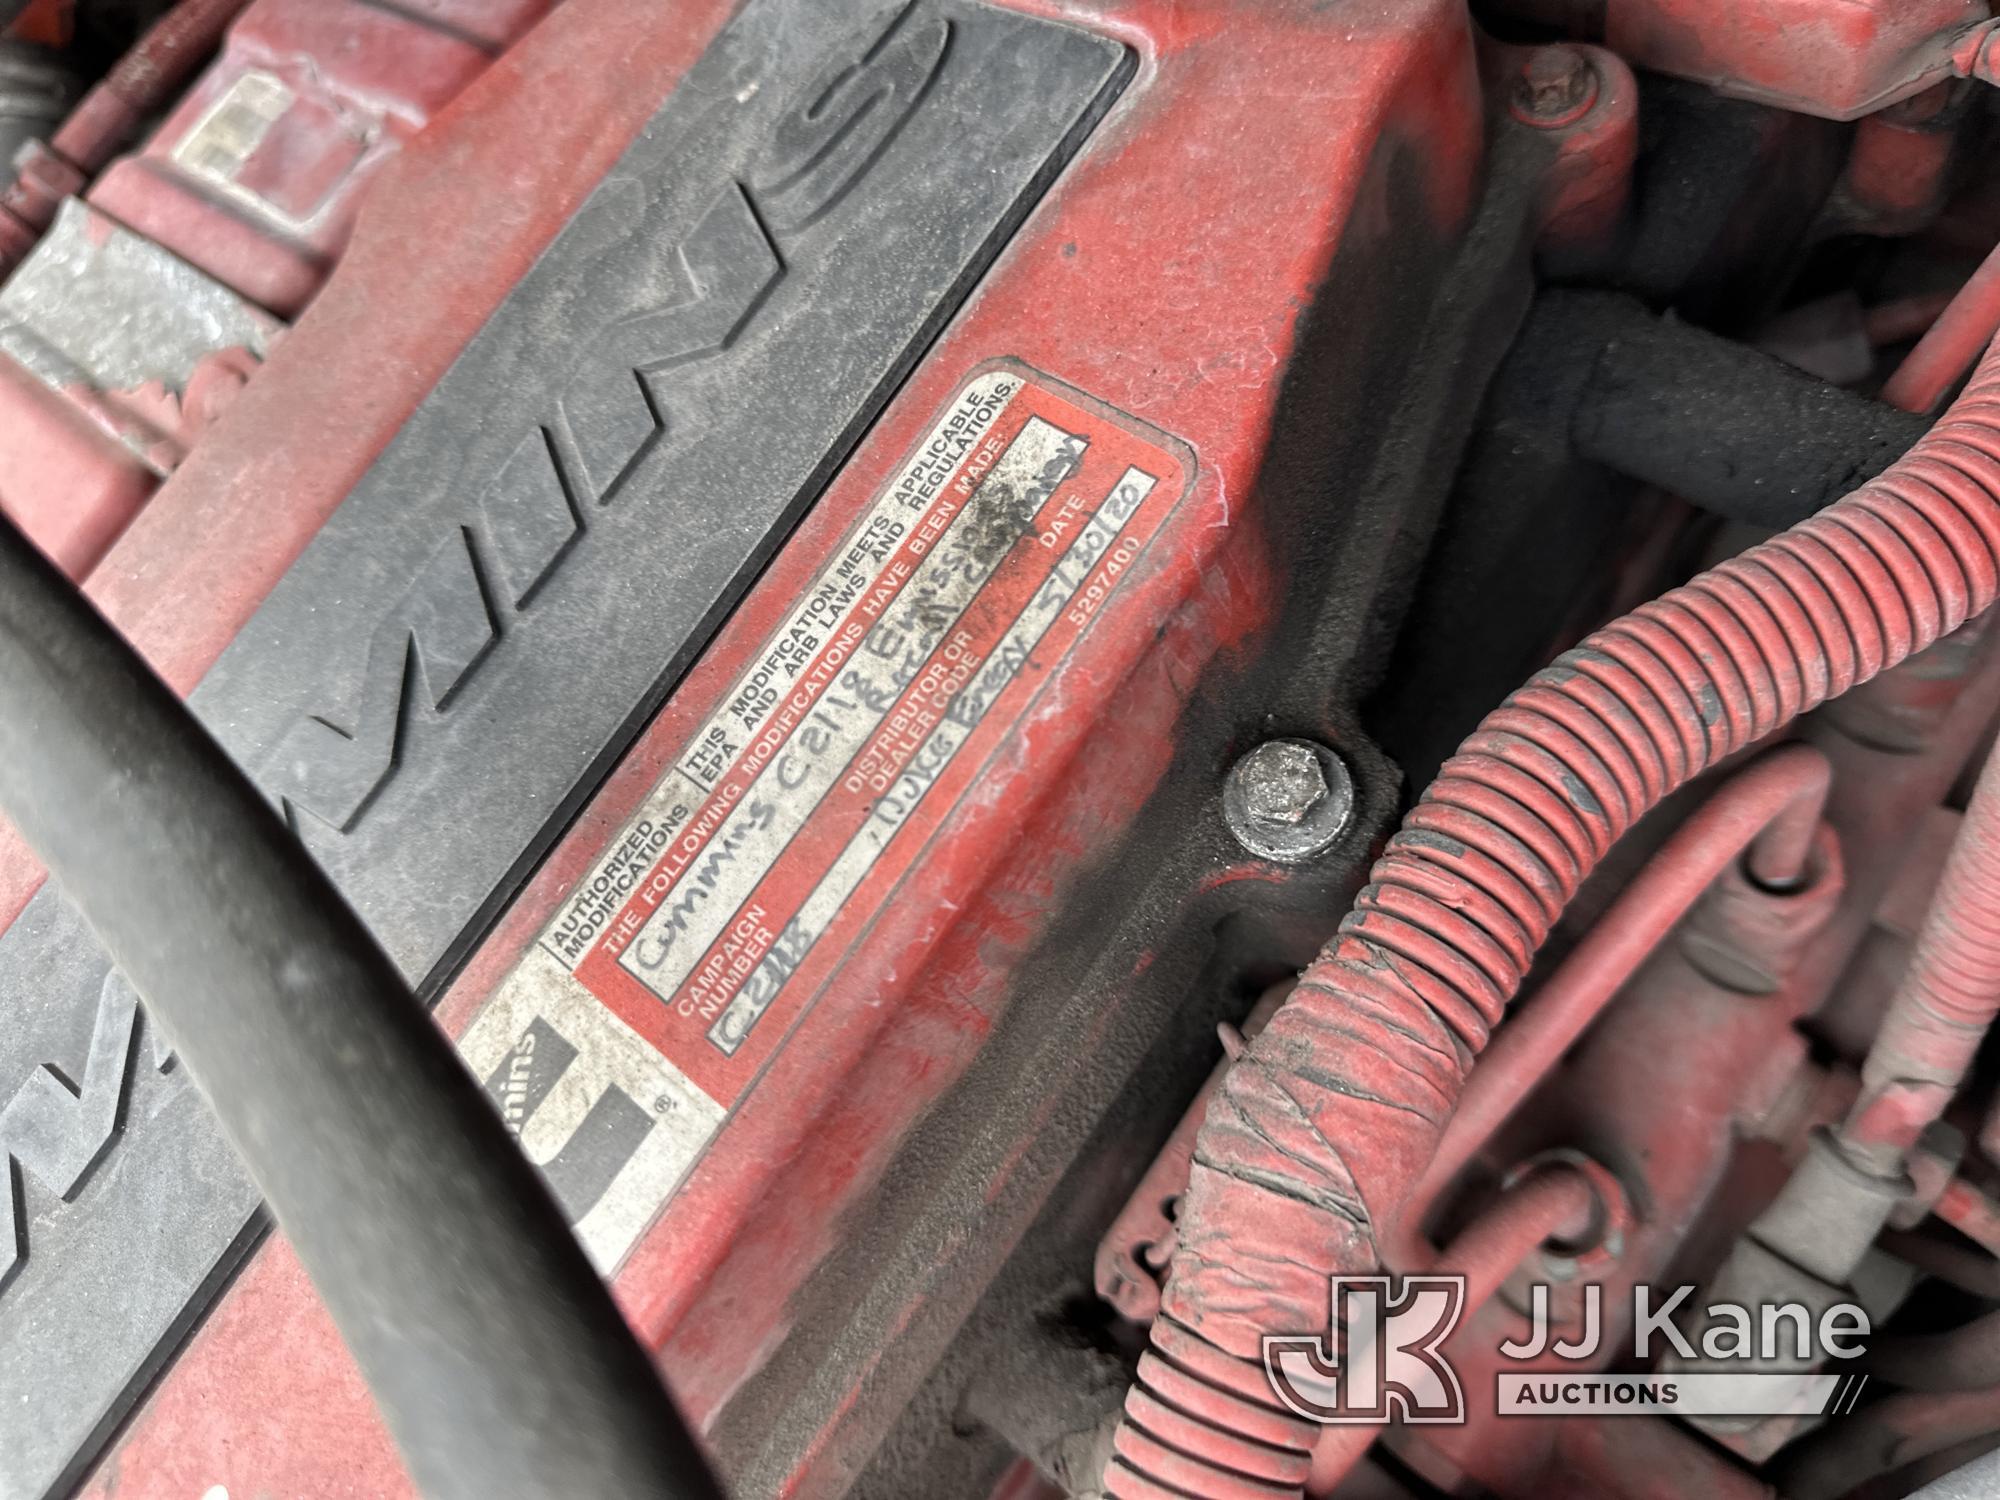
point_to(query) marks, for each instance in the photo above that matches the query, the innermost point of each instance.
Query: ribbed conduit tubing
(1323, 1125)
(1946, 1003)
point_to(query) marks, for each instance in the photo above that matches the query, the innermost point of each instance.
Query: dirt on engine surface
(892, 611)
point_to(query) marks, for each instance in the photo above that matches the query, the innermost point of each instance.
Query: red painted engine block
(1149, 307)
(816, 996)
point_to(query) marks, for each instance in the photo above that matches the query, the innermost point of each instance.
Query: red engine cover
(1121, 366)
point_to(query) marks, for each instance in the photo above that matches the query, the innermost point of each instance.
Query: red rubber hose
(1557, 1202)
(1771, 808)
(1947, 1000)
(1951, 343)
(144, 81)
(1971, 1212)
(1324, 1124)
(1907, 318)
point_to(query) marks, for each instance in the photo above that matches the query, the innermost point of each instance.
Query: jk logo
(1383, 1362)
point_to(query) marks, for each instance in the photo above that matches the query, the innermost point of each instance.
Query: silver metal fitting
(1288, 800)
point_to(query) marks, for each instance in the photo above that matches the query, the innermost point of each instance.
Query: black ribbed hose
(492, 1346)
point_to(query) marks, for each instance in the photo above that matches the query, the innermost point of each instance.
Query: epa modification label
(657, 993)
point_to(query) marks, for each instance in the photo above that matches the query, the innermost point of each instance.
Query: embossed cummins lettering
(519, 526)
(56, 1129)
(524, 520)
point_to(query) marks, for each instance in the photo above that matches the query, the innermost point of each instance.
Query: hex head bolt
(1288, 800)
(1555, 87)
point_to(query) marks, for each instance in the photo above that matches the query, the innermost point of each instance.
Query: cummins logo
(543, 549)
(58, 1126)
(524, 519)
(599, 1143)
(825, 163)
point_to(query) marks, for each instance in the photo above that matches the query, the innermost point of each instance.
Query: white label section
(769, 681)
(612, 1124)
(785, 795)
(894, 807)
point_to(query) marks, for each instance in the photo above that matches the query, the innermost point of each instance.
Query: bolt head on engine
(1555, 87)
(1288, 800)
